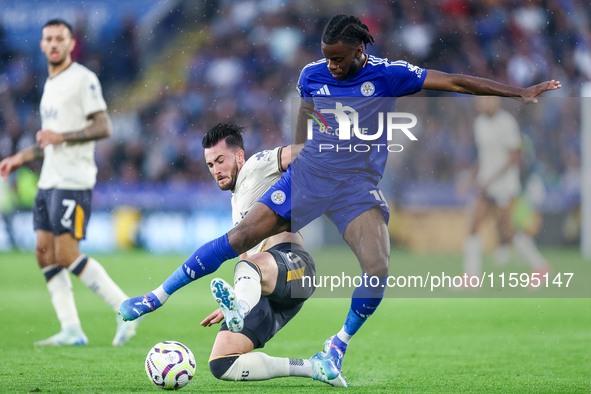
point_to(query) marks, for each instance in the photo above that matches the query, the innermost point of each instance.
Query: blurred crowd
(246, 66)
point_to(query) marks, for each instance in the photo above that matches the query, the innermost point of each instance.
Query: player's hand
(215, 318)
(10, 164)
(533, 91)
(48, 137)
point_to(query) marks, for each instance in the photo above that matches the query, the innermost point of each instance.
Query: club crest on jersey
(367, 89)
(278, 197)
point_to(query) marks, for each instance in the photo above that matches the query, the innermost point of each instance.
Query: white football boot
(125, 330)
(69, 337)
(224, 295)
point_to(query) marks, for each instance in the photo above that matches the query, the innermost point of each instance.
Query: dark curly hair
(348, 29)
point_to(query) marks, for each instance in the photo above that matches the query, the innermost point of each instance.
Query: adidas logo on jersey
(324, 91)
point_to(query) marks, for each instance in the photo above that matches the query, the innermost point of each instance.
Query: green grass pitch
(418, 345)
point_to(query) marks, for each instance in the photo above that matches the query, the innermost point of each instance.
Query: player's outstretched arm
(437, 80)
(14, 162)
(99, 128)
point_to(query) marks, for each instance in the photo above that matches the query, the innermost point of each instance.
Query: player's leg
(232, 358)
(58, 280)
(88, 270)
(252, 277)
(523, 243)
(277, 273)
(473, 244)
(260, 222)
(502, 211)
(69, 214)
(95, 277)
(59, 286)
(368, 237)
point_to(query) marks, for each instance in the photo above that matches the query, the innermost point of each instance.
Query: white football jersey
(68, 98)
(496, 137)
(257, 175)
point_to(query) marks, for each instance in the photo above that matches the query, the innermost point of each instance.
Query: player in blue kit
(340, 181)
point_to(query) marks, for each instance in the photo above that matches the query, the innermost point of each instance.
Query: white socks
(259, 366)
(473, 256)
(247, 286)
(161, 294)
(62, 297)
(94, 276)
(524, 244)
(343, 336)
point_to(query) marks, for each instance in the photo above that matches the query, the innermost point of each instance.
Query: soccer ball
(170, 365)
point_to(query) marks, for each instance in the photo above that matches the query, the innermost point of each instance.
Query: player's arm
(288, 154)
(302, 122)
(468, 182)
(99, 128)
(14, 162)
(437, 80)
(214, 318)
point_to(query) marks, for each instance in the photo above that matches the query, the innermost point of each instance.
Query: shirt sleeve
(302, 86)
(91, 94)
(266, 163)
(404, 78)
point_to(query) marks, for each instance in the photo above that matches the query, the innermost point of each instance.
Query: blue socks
(205, 260)
(364, 302)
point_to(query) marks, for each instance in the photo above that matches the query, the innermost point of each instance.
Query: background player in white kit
(73, 114)
(498, 142)
(273, 268)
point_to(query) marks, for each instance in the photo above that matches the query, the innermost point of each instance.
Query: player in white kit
(73, 115)
(498, 142)
(269, 290)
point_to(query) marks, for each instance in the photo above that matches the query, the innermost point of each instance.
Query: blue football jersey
(370, 94)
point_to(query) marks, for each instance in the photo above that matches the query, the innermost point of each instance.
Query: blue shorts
(60, 211)
(302, 195)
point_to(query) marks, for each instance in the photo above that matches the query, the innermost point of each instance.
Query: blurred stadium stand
(172, 69)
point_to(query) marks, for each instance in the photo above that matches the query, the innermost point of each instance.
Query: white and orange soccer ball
(170, 365)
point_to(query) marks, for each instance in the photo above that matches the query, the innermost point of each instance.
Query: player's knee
(255, 263)
(219, 366)
(63, 259)
(377, 268)
(44, 256)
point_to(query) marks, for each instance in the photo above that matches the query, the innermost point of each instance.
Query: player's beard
(233, 176)
(58, 62)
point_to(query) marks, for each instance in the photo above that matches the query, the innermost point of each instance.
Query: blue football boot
(317, 373)
(135, 307)
(334, 351)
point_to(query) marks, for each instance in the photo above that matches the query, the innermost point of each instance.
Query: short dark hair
(230, 132)
(346, 28)
(57, 22)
